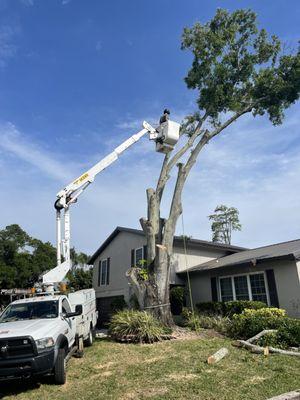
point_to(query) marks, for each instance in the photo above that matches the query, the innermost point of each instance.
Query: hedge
(228, 308)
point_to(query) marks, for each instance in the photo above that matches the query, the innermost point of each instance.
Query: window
(244, 287)
(258, 287)
(241, 287)
(226, 289)
(65, 306)
(33, 310)
(139, 256)
(104, 271)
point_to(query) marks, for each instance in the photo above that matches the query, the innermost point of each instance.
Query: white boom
(164, 137)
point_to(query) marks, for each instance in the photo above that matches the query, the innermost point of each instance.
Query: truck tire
(60, 368)
(90, 340)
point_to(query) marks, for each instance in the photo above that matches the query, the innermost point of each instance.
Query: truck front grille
(16, 347)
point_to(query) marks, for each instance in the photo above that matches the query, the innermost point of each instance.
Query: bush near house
(251, 322)
(136, 326)
(248, 323)
(177, 299)
(118, 304)
(228, 308)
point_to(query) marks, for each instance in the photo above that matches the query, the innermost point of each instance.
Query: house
(126, 247)
(270, 274)
(217, 272)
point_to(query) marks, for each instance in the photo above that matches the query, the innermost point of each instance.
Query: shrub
(118, 304)
(250, 322)
(193, 322)
(196, 321)
(270, 339)
(228, 308)
(210, 307)
(237, 307)
(217, 322)
(176, 299)
(137, 326)
(289, 332)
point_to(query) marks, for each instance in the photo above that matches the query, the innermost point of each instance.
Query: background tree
(237, 69)
(81, 274)
(23, 259)
(224, 221)
(80, 279)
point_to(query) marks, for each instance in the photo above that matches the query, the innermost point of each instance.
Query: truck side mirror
(78, 309)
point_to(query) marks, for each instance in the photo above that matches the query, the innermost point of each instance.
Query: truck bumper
(26, 367)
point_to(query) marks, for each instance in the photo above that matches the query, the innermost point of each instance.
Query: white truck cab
(39, 334)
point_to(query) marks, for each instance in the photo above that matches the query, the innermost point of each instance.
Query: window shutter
(132, 258)
(214, 290)
(99, 273)
(145, 252)
(272, 288)
(107, 271)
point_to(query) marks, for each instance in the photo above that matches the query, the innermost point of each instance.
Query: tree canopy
(24, 258)
(237, 69)
(237, 66)
(225, 220)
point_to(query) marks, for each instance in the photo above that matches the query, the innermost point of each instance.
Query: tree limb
(163, 177)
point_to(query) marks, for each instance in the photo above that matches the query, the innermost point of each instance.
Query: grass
(166, 370)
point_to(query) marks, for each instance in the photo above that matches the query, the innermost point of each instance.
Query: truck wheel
(89, 341)
(60, 367)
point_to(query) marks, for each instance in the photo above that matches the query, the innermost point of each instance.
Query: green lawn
(168, 370)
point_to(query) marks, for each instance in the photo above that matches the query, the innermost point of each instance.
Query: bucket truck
(39, 334)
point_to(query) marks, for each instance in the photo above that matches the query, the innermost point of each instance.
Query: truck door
(70, 322)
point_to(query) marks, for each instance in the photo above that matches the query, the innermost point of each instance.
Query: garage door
(104, 308)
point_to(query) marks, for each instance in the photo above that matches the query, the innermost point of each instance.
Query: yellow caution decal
(82, 178)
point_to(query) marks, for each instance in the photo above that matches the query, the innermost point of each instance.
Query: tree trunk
(153, 293)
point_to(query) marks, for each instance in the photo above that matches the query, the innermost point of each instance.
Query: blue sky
(78, 77)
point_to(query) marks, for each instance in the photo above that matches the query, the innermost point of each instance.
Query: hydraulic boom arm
(165, 136)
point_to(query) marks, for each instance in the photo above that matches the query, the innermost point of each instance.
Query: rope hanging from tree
(186, 263)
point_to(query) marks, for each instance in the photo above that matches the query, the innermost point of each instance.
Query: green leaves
(23, 258)
(80, 278)
(236, 65)
(224, 221)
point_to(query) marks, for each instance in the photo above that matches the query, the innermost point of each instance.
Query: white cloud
(8, 47)
(14, 142)
(28, 3)
(99, 45)
(65, 2)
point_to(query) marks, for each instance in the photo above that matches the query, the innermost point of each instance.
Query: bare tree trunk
(153, 293)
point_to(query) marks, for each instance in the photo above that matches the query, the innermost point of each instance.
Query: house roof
(289, 250)
(177, 240)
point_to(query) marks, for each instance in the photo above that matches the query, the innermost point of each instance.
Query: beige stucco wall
(195, 256)
(287, 277)
(119, 251)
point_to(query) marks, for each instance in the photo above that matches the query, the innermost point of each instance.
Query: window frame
(135, 251)
(248, 284)
(106, 281)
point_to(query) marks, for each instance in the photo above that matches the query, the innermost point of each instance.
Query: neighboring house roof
(177, 240)
(289, 250)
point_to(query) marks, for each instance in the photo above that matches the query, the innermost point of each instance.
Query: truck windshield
(34, 310)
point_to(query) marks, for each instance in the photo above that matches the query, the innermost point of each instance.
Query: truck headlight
(44, 344)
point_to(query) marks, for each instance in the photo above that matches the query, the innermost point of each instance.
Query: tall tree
(23, 259)
(237, 69)
(225, 220)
